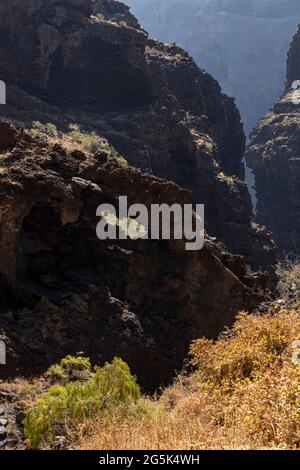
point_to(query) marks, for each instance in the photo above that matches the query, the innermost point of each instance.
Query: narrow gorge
(274, 156)
(242, 43)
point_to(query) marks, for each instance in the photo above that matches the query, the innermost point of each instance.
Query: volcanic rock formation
(64, 291)
(89, 62)
(242, 43)
(274, 155)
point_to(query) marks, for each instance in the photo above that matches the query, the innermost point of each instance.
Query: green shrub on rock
(70, 368)
(62, 406)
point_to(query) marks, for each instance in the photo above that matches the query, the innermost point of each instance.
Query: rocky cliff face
(242, 44)
(274, 155)
(64, 291)
(90, 62)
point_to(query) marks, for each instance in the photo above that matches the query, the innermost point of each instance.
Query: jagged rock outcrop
(274, 156)
(242, 43)
(89, 62)
(64, 291)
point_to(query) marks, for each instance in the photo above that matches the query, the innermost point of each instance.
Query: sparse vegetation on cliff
(289, 280)
(62, 406)
(76, 138)
(69, 368)
(243, 394)
(63, 290)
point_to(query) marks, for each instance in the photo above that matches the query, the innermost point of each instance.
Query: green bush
(37, 126)
(122, 161)
(71, 363)
(49, 129)
(56, 374)
(78, 305)
(90, 142)
(66, 370)
(62, 406)
(46, 306)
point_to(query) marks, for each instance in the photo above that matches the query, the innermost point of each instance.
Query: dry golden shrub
(244, 394)
(289, 279)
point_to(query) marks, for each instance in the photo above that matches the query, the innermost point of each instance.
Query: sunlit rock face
(242, 43)
(274, 156)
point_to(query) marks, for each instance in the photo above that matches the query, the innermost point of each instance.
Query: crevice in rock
(55, 260)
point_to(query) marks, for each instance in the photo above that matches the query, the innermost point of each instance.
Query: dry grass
(153, 431)
(289, 280)
(74, 139)
(245, 394)
(21, 387)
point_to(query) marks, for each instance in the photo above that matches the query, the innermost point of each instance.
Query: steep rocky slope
(242, 43)
(274, 155)
(64, 291)
(89, 62)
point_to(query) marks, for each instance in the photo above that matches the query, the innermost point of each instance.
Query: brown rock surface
(89, 62)
(64, 291)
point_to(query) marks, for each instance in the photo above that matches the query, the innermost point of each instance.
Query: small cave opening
(55, 260)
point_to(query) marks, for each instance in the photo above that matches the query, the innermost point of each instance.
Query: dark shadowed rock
(67, 291)
(274, 155)
(3, 433)
(89, 61)
(242, 43)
